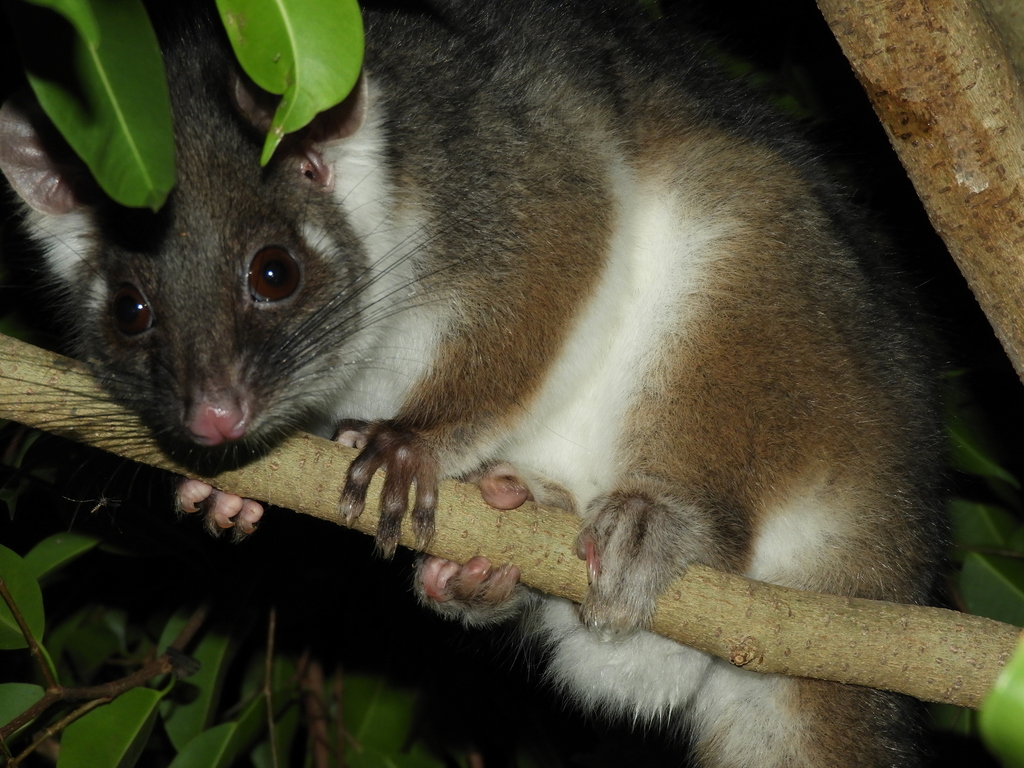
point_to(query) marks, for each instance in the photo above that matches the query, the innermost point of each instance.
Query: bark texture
(950, 98)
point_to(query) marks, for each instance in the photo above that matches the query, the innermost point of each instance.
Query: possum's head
(211, 317)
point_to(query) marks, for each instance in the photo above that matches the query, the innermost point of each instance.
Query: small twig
(33, 646)
(187, 632)
(311, 683)
(268, 685)
(56, 728)
(339, 716)
(56, 693)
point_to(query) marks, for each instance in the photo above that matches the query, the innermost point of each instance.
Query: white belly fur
(656, 273)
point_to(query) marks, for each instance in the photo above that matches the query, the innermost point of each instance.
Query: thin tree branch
(930, 653)
(56, 693)
(33, 644)
(55, 728)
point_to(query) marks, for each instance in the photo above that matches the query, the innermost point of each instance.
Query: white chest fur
(651, 286)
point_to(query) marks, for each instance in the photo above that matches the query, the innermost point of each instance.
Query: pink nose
(216, 423)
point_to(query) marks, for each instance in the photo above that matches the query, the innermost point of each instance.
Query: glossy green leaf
(58, 550)
(15, 698)
(379, 718)
(1015, 541)
(209, 749)
(88, 638)
(968, 430)
(251, 720)
(286, 728)
(310, 51)
(221, 745)
(27, 596)
(979, 526)
(113, 735)
(108, 99)
(948, 717)
(18, 460)
(185, 720)
(1002, 713)
(993, 586)
(79, 13)
(10, 494)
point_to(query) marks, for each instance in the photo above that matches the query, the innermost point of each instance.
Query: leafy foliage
(103, 705)
(96, 70)
(310, 52)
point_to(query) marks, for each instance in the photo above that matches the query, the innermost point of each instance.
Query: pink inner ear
(316, 170)
(31, 170)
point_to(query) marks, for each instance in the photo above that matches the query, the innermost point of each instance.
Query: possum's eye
(132, 314)
(273, 274)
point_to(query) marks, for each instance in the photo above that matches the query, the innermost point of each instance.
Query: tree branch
(951, 101)
(930, 653)
(94, 695)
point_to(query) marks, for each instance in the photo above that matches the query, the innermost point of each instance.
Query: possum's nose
(218, 420)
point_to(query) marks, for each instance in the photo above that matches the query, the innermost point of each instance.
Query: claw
(407, 462)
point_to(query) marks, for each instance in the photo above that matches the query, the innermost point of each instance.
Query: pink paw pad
(223, 510)
(476, 581)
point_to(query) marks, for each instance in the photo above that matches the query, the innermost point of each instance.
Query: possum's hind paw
(222, 510)
(476, 593)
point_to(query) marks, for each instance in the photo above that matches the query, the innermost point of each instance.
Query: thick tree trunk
(950, 98)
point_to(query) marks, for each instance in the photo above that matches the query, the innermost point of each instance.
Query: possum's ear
(40, 176)
(344, 119)
(339, 122)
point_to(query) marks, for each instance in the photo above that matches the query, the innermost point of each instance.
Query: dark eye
(132, 314)
(273, 274)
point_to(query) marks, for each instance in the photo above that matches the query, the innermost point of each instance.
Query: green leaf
(250, 722)
(209, 749)
(979, 526)
(311, 51)
(27, 596)
(376, 714)
(111, 736)
(948, 717)
(220, 745)
(1003, 712)
(286, 727)
(184, 721)
(15, 698)
(993, 586)
(10, 494)
(108, 98)
(26, 442)
(58, 550)
(285, 697)
(89, 637)
(379, 717)
(973, 449)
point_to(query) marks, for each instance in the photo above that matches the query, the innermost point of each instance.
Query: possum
(546, 244)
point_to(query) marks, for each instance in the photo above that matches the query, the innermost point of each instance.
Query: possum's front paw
(407, 461)
(631, 543)
(476, 593)
(222, 510)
